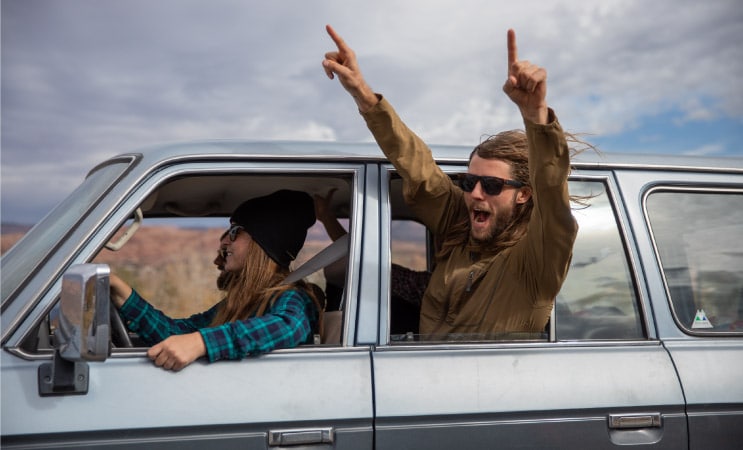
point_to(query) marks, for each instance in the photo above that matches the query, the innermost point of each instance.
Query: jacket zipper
(470, 278)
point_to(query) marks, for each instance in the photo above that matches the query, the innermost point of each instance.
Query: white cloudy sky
(83, 80)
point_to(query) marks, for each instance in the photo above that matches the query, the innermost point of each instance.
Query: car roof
(370, 152)
(218, 194)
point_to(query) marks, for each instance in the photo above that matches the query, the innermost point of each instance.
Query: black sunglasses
(491, 185)
(232, 232)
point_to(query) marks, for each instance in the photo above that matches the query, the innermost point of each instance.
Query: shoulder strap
(325, 257)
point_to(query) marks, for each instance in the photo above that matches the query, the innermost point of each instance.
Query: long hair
(511, 147)
(256, 287)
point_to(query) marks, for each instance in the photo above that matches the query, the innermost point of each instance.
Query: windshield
(28, 253)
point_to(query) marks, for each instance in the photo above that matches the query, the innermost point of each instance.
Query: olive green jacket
(472, 291)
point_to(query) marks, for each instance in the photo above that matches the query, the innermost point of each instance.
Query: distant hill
(173, 267)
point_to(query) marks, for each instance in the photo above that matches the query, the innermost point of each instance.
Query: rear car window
(698, 238)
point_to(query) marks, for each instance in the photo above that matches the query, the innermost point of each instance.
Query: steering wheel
(119, 333)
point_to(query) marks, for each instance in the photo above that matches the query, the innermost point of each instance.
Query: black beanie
(277, 222)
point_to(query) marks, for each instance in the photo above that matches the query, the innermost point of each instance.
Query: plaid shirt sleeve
(287, 323)
(153, 326)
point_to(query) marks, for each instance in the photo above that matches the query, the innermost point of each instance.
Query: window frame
(695, 188)
(625, 234)
(111, 218)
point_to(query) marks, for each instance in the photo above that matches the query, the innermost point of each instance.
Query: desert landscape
(173, 267)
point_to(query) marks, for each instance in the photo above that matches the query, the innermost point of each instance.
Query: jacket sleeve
(429, 192)
(153, 326)
(288, 323)
(547, 248)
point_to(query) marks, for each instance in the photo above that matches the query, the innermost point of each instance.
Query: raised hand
(325, 215)
(322, 206)
(526, 84)
(342, 63)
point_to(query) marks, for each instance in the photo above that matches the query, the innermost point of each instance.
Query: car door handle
(624, 421)
(301, 436)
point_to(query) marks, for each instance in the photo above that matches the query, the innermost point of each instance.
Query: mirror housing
(84, 332)
(84, 315)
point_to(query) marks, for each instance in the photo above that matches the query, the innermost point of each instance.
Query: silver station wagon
(644, 348)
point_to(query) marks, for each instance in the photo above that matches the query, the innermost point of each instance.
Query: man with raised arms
(505, 231)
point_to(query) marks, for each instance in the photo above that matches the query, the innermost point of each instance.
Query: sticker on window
(701, 320)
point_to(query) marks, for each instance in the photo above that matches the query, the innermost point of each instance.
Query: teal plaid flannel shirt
(289, 322)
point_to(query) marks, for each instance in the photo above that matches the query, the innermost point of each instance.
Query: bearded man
(506, 231)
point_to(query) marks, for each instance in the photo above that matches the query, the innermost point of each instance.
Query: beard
(500, 221)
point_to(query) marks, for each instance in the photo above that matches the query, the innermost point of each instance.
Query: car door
(600, 379)
(695, 247)
(243, 404)
(316, 396)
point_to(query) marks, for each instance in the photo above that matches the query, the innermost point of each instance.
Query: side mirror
(84, 321)
(84, 332)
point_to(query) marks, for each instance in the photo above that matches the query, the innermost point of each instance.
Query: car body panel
(367, 392)
(525, 395)
(255, 395)
(709, 368)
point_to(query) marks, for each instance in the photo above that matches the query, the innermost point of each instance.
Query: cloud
(645, 58)
(108, 77)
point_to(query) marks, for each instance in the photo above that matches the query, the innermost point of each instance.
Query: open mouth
(480, 216)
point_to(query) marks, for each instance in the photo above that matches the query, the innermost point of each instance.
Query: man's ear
(523, 195)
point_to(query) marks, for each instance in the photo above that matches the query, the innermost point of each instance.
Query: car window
(409, 275)
(170, 258)
(598, 299)
(698, 238)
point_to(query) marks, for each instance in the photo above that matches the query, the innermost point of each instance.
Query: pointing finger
(513, 55)
(339, 42)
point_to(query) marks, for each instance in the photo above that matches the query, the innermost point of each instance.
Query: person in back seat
(506, 231)
(406, 285)
(259, 313)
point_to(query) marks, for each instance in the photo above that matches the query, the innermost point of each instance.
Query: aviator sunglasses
(232, 233)
(491, 185)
